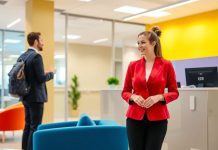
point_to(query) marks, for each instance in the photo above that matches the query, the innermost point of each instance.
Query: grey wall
(180, 65)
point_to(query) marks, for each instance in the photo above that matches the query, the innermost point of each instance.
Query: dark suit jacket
(36, 77)
(162, 76)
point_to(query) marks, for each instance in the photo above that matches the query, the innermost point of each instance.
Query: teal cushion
(85, 120)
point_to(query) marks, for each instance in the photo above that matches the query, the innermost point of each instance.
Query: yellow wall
(92, 64)
(40, 18)
(190, 37)
(88, 103)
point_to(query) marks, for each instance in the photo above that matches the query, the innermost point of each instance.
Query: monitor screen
(202, 77)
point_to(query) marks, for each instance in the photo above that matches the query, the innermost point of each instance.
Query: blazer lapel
(156, 69)
(142, 69)
(140, 73)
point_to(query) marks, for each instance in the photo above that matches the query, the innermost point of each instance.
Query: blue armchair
(104, 135)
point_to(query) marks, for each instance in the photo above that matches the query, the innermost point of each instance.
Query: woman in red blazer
(144, 91)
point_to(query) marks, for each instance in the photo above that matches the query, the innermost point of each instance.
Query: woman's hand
(151, 100)
(138, 99)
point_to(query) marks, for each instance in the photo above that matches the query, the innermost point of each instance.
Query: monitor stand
(200, 85)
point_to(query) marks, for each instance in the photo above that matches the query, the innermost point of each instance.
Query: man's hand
(53, 70)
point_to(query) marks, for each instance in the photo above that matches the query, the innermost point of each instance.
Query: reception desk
(193, 124)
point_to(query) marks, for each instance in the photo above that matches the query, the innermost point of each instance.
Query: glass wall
(59, 78)
(1, 58)
(91, 57)
(13, 46)
(125, 38)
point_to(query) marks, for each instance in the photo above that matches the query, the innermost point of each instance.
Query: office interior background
(101, 41)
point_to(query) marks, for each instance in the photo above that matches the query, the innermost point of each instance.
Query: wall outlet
(192, 103)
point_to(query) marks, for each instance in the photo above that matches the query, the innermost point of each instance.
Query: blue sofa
(104, 135)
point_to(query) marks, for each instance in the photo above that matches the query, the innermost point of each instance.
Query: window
(11, 46)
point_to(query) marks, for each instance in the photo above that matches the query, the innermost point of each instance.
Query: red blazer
(162, 76)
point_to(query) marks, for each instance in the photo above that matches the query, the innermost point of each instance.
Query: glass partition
(59, 60)
(126, 34)
(125, 38)
(90, 56)
(59, 79)
(1, 58)
(13, 46)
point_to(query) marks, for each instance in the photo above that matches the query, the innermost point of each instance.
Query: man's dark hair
(32, 36)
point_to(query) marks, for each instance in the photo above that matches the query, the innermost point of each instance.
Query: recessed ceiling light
(129, 9)
(179, 4)
(156, 14)
(13, 23)
(72, 36)
(12, 41)
(100, 40)
(0, 49)
(160, 9)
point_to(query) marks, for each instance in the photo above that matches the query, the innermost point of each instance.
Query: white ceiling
(104, 8)
(185, 10)
(94, 29)
(91, 30)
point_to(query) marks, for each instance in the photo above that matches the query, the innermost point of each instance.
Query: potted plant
(74, 93)
(113, 81)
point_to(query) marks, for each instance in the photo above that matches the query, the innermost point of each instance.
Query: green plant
(74, 93)
(113, 81)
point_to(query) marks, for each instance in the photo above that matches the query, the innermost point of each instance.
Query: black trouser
(33, 117)
(145, 134)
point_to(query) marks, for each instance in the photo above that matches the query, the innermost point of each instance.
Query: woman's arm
(172, 93)
(127, 89)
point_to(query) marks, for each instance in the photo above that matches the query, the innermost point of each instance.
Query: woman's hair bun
(156, 30)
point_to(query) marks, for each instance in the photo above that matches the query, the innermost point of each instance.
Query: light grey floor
(11, 142)
(14, 143)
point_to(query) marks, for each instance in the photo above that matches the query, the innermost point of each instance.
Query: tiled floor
(11, 142)
(8, 149)
(14, 143)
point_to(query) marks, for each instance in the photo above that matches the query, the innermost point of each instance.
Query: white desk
(188, 128)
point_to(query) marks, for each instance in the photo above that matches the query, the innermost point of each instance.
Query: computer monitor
(202, 77)
(178, 84)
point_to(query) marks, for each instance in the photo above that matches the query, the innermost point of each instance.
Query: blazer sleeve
(38, 68)
(127, 89)
(172, 93)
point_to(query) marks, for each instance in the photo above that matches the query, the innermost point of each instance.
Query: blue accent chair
(104, 135)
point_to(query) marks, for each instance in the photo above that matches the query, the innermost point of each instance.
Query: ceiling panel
(91, 30)
(186, 10)
(104, 8)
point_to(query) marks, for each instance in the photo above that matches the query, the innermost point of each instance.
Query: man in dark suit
(36, 77)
